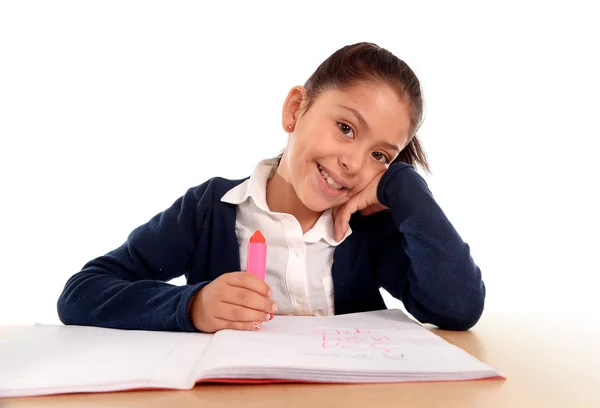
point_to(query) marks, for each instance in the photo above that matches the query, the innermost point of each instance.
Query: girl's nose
(351, 161)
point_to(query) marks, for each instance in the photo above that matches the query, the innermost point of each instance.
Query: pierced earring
(290, 127)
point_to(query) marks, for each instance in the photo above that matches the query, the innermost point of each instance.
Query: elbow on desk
(459, 314)
(465, 314)
(71, 305)
(461, 323)
(67, 313)
(456, 320)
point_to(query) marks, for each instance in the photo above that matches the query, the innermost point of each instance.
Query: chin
(317, 204)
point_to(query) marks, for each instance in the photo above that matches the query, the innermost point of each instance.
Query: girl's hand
(365, 201)
(235, 300)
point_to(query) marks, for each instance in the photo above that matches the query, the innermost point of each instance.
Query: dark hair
(368, 62)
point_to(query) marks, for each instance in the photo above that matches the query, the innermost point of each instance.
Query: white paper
(363, 347)
(360, 347)
(50, 359)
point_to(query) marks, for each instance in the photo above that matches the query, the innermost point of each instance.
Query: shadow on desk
(469, 341)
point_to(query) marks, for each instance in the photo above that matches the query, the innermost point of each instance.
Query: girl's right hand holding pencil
(235, 300)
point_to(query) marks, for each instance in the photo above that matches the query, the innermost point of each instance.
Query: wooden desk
(549, 361)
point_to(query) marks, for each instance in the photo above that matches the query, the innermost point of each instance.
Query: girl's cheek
(359, 187)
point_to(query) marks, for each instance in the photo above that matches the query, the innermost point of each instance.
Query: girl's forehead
(374, 98)
(378, 104)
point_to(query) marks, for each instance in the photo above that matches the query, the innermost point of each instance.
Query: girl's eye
(346, 129)
(380, 157)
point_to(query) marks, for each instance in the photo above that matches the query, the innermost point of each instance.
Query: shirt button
(296, 252)
(300, 300)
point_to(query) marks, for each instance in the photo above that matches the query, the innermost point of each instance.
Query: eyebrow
(357, 114)
(362, 120)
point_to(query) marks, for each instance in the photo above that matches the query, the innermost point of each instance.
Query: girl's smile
(328, 183)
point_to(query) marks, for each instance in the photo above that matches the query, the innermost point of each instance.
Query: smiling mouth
(328, 179)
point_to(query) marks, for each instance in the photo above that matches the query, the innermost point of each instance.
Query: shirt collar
(324, 229)
(256, 188)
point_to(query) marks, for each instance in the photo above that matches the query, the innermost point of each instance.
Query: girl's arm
(127, 289)
(423, 261)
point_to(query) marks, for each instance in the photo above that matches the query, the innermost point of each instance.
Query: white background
(110, 110)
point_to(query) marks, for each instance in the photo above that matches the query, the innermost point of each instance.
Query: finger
(343, 218)
(248, 299)
(249, 281)
(247, 326)
(338, 223)
(336, 211)
(236, 313)
(335, 225)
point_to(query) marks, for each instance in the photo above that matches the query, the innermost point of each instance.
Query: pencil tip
(257, 238)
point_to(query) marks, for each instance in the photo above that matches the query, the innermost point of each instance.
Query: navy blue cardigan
(411, 250)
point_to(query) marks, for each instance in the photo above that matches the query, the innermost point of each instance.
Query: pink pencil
(257, 255)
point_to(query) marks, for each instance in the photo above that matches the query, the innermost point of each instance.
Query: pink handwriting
(355, 339)
(341, 331)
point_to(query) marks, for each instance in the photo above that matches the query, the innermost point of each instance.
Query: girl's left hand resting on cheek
(365, 201)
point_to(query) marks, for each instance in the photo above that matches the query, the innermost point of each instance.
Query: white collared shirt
(298, 265)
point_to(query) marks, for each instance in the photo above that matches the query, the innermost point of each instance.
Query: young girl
(343, 211)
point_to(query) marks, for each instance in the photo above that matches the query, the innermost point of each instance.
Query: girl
(343, 211)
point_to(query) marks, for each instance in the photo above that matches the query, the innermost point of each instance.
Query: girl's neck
(282, 198)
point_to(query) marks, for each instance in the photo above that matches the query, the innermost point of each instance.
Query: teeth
(333, 183)
(329, 180)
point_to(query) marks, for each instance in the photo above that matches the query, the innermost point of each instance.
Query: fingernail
(268, 316)
(256, 326)
(274, 308)
(272, 316)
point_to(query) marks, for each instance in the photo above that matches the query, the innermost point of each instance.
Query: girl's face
(342, 142)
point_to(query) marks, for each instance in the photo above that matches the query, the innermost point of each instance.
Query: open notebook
(380, 346)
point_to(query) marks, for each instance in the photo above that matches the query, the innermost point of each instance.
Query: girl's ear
(291, 107)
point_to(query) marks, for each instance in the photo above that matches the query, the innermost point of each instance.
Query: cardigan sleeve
(423, 261)
(127, 288)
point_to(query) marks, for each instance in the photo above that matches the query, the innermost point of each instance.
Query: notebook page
(361, 344)
(50, 359)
